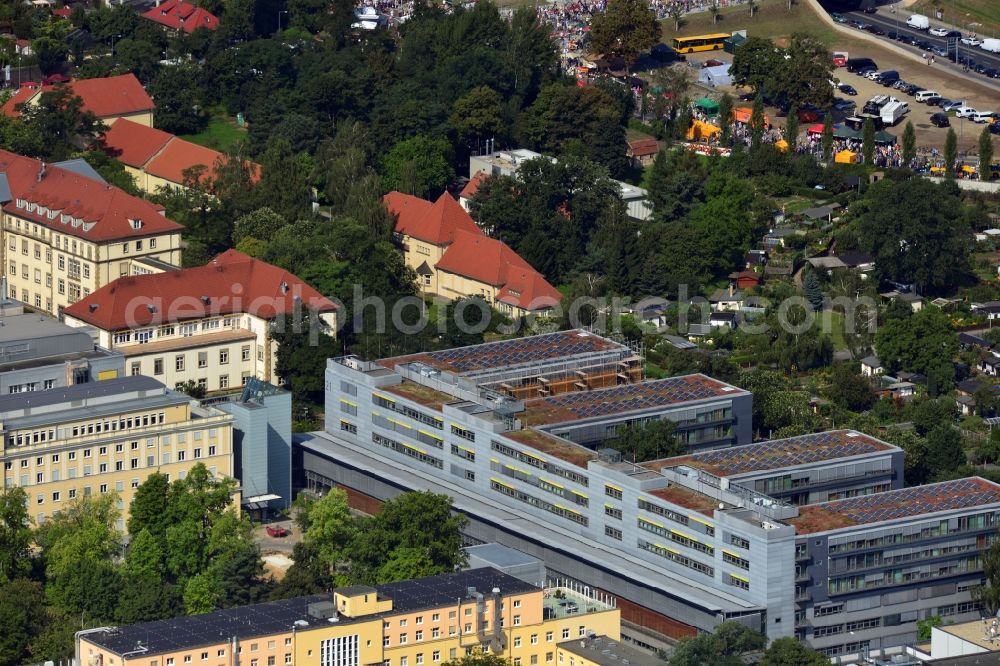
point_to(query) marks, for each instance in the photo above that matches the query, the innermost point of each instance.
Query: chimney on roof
(284, 287)
(41, 171)
(205, 300)
(93, 307)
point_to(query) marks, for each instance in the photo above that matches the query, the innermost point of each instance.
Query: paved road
(897, 23)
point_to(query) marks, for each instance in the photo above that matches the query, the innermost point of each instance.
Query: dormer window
(52, 214)
(21, 203)
(42, 210)
(64, 218)
(31, 208)
(136, 224)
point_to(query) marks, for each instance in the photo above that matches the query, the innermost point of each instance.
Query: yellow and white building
(421, 622)
(106, 437)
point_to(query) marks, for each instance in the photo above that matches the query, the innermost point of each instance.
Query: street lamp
(280, 12)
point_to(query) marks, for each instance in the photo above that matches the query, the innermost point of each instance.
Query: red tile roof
(484, 259)
(472, 186)
(102, 212)
(105, 97)
(433, 223)
(232, 283)
(643, 147)
(179, 155)
(181, 15)
(63, 12)
(134, 144)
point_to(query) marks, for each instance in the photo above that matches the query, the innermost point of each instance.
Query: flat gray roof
(14, 328)
(501, 555)
(604, 651)
(102, 389)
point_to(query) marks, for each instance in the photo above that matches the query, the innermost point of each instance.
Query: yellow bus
(700, 42)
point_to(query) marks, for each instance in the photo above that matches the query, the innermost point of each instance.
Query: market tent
(781, 145)
(845, 157)
(815, 129)
(701, 130)
(845, 132)
(742, 114)
(884, 137)
(710, 107)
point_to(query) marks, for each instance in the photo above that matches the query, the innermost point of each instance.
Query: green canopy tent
(708, 106)
(883, 137)
(845, 132)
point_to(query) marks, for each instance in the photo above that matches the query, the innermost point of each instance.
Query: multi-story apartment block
(512, 431)
(93, 439)
(421, 622)
(211, 325)
(867, 568)
(807, 469)
(66, 234)
(39, 353)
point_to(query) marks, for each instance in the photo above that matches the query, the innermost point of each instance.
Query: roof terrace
(624, 398)
(509, 353)
(554, 446)
(779, 453)
(897, 505)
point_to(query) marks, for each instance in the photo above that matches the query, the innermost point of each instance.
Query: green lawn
(833, 322)
(220, 133)
(772, 20)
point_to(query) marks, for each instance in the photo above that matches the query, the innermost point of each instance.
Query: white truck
(991, 45)
(918, 22)
(893, 112)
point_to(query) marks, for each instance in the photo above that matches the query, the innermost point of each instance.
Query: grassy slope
(772, 19)
(964, 12)
(220, 133)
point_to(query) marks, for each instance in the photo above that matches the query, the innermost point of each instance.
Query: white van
(982, 117)
(925, 95)
(918, 22)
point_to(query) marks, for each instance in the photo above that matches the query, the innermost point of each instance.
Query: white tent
(715, 76)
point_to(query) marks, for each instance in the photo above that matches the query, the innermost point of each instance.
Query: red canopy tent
(815, 129)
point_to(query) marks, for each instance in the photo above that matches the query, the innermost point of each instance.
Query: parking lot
(933, 78)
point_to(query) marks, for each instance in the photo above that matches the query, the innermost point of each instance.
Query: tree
(180, 99)
(192, 388)
(944, 450)
(868, 142)
(950, 152)
(328, 528)
(479, 658)
(420, 166)
(626, 28)
(676, 13)
(713, 9)
(926, 626)
(201, 595)
(148, 511)
(826, 139)
(723, 647)
(304, 339)
(909, 144)
(755, 64)
(985, 154)
(477, 116)
(928, 414)
(792, 128)
(915, 231)
(22, 611)
(413, 521)
(261, 224)
(676, 184)
(848, 389)
(650, 441)
(989, 594)
(140, 57)
(789, 651)
(757, 122)
(917, 344)
(50, 53)
(813, 291)
(15, 534)
(60, 118)
(726, 117)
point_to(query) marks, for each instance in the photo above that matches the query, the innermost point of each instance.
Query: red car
(277, 531)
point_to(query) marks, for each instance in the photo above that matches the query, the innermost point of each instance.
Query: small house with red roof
(67, 232)
(453, 258)
(181, 16)
(642, 152)
(109, 98)
(210, 324)
(158, 159)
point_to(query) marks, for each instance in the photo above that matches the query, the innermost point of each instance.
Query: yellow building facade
(412, 623)
(108, 437)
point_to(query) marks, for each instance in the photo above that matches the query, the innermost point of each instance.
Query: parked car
(965, 112)
(995, 127)
(911, 89)
(983, 117)
(844, 105)
(941, 102)
(938, 32)
(870, 9)
(971, 41)
(892, 34)
(847, 89)
(953, 33)
(925, 95)
(979, 68)
(875, 30)
(992, 72)
(940, 119)
(839, 18)
(952, 105)
(277, 531)
(940, 51)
